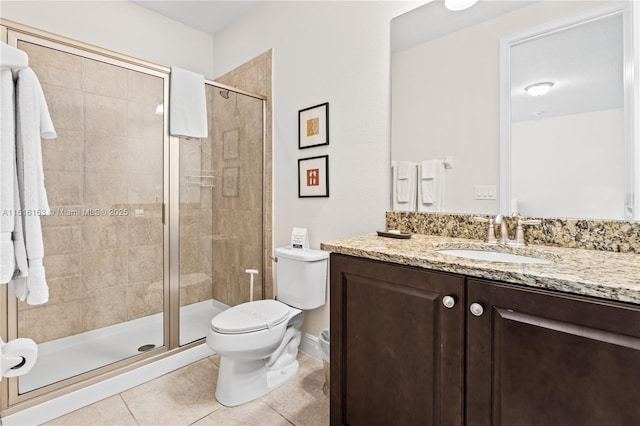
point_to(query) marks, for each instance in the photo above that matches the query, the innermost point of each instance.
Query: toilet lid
(250, 316)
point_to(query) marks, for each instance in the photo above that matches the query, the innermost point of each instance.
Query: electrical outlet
(485, 192)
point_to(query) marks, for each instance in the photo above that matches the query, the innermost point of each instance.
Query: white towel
(19, 249)
(404, 176)
(431, 186)
(404, 169)
(7, 174)
(12, 58)
(33, 122)
(33, 288)
(404, 172)
(7, 259)
(427, 181)
(187, 104)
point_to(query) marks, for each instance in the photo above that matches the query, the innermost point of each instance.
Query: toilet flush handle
(252, 272)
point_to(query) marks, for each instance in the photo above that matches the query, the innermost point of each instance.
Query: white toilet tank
(301, 277)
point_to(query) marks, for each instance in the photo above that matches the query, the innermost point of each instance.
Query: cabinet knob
(476, 309)
(449, 301)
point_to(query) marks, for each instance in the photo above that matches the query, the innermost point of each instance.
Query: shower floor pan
(69, 356)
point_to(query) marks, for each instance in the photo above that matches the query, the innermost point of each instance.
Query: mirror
(453, 98)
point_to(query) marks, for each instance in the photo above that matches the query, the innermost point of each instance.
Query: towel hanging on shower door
(33, 122)
(187, 104)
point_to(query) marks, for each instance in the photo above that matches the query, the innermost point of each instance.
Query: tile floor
(186, 397)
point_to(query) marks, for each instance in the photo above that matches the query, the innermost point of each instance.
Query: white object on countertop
(299, 238)
(515, 210)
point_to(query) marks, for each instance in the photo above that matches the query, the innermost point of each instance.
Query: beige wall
(105, 269)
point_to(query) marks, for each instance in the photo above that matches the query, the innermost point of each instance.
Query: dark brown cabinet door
(396, 349)
(541, 358)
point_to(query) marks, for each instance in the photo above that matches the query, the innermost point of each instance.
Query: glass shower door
(105, 238)
(221, 211)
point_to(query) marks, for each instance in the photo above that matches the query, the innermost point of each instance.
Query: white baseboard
(65, 404)
(309, 345)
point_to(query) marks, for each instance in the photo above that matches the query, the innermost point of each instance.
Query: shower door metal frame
(10, 399)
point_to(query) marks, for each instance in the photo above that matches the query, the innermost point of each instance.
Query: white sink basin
(492, 256)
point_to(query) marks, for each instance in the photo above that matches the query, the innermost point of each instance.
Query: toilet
(258, 341)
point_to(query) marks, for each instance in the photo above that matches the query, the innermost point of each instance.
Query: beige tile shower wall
(103, 269)
(237, 212)
(233, 284)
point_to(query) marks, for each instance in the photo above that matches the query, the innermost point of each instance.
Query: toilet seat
(250, 317)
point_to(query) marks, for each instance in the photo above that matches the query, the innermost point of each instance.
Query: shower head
(224, 94)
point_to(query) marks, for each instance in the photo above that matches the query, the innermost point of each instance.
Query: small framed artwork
(313, 126)
(313, 177)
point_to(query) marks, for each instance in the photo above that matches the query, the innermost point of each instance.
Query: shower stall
(149, 235)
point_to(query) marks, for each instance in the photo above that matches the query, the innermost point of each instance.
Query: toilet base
(241, 381)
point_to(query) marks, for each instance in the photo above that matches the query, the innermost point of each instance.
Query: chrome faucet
(504, 231)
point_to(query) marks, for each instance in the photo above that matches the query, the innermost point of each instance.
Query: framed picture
(313, 126)
(313, 177)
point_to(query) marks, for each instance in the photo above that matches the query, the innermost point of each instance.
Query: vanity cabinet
(396, 349)
(536, 357)
(501, 355)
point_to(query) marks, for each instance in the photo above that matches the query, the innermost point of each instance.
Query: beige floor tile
(301, 400)
(187, 397)
(252, 413)
(215, 359)
(108, 412)
(178, 398)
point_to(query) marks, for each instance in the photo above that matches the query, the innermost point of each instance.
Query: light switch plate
(485, 192)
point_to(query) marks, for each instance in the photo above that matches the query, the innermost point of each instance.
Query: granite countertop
(607, 275)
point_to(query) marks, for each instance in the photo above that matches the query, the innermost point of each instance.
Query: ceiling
(210, 17)
(585, 63)
(433, 20)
